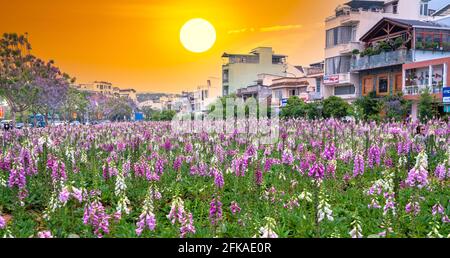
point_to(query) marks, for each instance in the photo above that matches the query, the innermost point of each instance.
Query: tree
(427, 107)
(97, 105)
(52, 87)
(295, 108)
(165, 115)
(396, 107)
(370, 106)
(16, 73)
(120, 109)
(336, 107)
(148, 112)
(76, 102)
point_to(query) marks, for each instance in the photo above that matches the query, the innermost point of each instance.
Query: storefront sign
(446, 95)
(331, 79)
(447, 108)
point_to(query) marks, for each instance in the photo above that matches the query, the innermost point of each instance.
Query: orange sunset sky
(135, 43)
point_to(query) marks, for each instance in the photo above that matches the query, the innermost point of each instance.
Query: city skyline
(135, 44)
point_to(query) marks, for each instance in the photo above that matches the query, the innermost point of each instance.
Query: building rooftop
(418, 24)
(444, 11)
(400, 23)
(366, 5)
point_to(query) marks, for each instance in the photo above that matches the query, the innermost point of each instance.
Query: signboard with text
(446, 95)
(284, 102)
(331, 79)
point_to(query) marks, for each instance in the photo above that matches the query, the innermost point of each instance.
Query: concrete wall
(241, 75)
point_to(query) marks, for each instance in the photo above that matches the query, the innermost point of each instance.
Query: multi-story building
(392, 43)
(205, 95)
(107, 89)
(343, 31)
(128, 93)
(306, 86)
(241, 70)
(433, 75)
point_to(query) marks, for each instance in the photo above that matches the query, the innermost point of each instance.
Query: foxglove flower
(215, 210)
(187, 225)
(356, 231)
(358, 166)
(418, 176)
(440, 172)
(147, 219)
(268, 231)
(235, 208)
(218, 178)
(2, 222)
(45, 234)
(96, 216)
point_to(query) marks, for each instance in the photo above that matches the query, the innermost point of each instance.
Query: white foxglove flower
(356, 231)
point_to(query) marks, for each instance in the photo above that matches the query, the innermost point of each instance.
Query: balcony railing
(384, 59)
(419, 89)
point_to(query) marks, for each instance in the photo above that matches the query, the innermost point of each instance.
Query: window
(344, 90)
(383, 85)
(337, 65)
(424, 8)
(292, 93)
(318, 84)
(225, 76)
(395, 8)
(278, 94)
(340, 35)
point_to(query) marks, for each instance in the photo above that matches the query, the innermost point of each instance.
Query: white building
(206, 95)
(343, 31)
(241, 70)
(153, 104)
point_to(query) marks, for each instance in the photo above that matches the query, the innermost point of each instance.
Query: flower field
(322, 178)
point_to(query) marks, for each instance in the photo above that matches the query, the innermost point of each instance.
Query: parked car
(20, 125)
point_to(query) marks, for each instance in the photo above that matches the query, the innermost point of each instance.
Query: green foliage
(165, 115)
(336, 107)
(369, 106)
(396, 107)
(427, 106)
(297, 108)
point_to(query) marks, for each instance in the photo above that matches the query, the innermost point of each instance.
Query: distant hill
(141, 97)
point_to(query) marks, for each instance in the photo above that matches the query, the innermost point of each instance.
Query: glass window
(383, 84)
(337, 65)
(318, 84)
(437, 76)
(344, 90)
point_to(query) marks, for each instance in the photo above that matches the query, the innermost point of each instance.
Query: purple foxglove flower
(235, 208)
(2, 222)
(45, 234)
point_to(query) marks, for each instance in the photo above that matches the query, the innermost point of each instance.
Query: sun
(198, 35)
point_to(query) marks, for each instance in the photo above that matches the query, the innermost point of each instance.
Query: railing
(384, 59)
(418, 89)
(337, 79)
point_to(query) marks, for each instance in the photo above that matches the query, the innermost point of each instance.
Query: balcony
(382, 60)
(336, 79)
